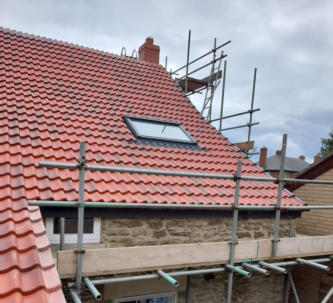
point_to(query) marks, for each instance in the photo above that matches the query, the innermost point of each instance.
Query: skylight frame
(129, 121)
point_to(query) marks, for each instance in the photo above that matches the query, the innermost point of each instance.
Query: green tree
(327, 144)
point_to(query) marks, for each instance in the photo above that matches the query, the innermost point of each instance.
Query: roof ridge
(74, 45)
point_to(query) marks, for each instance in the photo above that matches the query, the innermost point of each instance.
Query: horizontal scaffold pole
(192, 272)
(238, 270)
(274, 267)
(204, 55)
(235, 115)
(167, 277)
(240, 126)
(190, 174)
(317, 260)
(256, 268)
(75, 297)
(93, 289)
(100, 204)
(313, 264)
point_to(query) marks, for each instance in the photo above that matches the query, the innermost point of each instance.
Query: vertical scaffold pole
(211, 79)
(233, 241)
(188, 279)
(222, 96)
(62, 233)
(187, 58)
(252, 103)
(275, 239)
(81, 165)
(286, 277)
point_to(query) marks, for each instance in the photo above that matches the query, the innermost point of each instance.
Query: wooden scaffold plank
(149, 258)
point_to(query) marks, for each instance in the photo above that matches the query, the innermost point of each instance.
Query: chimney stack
(149, 52)
(317, 158)
(278, 153)
(263, 157)
(301, 157)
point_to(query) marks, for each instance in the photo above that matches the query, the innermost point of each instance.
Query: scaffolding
(194, 85)
(243, 267)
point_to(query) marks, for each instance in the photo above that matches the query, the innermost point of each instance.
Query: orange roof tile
(27, 269)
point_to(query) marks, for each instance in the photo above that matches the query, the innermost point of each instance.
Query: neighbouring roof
(290, 164)
(313, 171)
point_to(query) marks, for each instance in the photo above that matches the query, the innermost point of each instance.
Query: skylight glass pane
(160, 130)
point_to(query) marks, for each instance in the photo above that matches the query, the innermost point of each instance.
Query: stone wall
(157, 231)
(316, 222)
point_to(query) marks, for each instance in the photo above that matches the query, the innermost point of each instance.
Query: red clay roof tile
(27, 270)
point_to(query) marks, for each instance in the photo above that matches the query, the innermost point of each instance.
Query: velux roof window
(158, 130)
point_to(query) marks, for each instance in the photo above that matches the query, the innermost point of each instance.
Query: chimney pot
(149, 52)
(301, 157)
(278, 152)
(263, 157)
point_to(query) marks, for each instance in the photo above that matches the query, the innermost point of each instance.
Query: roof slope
(27, 270)
(290, 164)
(313, 171)
(55, 94)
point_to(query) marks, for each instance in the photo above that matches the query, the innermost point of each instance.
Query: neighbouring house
(314, 223)
(271, 164)
(130, 113)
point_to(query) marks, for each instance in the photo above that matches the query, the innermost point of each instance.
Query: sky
(289, 42)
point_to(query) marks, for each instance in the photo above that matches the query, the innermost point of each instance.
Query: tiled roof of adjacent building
(290, 164)
(314, 170)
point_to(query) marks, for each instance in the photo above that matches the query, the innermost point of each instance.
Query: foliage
(327, 145)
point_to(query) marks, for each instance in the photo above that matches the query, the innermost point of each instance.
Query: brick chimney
(149, 52)
(278, 153)
(263, 157)
(301, 157)
(316, 159)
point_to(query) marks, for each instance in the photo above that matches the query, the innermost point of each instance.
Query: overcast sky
(290, 42)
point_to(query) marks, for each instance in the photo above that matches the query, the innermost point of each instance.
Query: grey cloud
(289, 41)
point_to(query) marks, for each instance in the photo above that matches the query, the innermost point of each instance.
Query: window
(156, 298)
(158, 130)
(91, 230)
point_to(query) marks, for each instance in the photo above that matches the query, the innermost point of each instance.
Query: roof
(27, 270)
(313, 171)
(54, 95)
(290, 164)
